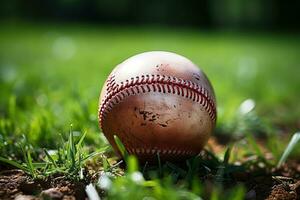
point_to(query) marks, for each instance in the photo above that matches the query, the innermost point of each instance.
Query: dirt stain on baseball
(147, 115)
(162, 125)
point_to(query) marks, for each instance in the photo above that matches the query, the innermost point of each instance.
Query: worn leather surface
(158, 102)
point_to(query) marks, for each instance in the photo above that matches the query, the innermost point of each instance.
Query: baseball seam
(148, 151)
(154, 83)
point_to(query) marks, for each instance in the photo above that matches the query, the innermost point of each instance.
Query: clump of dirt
(282, 192)
(15, 184)
(289, 169)
(272, 188)
(271, 183)
(10, 181)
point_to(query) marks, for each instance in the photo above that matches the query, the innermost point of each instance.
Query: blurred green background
(267, 14)
(56, 55)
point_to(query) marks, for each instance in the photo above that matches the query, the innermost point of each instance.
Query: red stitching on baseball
(162, 152)
(161, 83)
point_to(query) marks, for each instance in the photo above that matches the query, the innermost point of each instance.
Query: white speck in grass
(81, 173)
(52, 152)
(247, 106)
(104, 181)
(137, 177)
(64, 48)
(92, 192)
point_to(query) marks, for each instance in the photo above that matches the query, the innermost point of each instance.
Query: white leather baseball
(158, 103)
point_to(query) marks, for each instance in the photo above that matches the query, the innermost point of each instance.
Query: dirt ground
(277, 184)
(15, 184)
(261, 182)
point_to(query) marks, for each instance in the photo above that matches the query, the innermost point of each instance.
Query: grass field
(51, 76)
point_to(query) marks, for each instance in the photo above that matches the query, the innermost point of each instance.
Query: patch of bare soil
(15, 184)
(273, 188)
(272, 184)
(266, 182)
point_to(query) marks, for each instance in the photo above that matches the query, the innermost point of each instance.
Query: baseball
(158, 103)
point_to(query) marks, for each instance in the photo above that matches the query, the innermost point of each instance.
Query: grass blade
(188, 195)
(50, 158)
(295, 139)
(132, 164)
(227, 155)
(105, 163)
(159, 164)
(71, 149)
(254, 145)
(30, 165)
(121, 147)
(100, 151)
(13, 163)
(81, 139)
(177, 169)
(39, 165)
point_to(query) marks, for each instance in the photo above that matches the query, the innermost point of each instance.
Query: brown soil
(276, 184)
(273, 188)
(261, 181)
(15, 184)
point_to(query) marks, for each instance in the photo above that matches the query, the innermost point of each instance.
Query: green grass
(51, 76)
(69, 159)
(291, 146)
